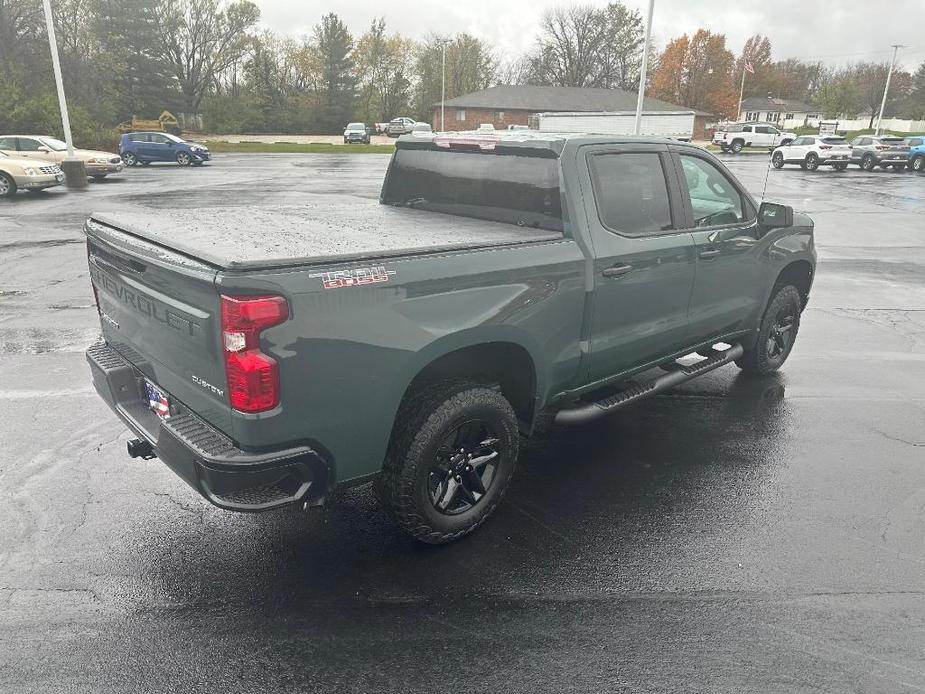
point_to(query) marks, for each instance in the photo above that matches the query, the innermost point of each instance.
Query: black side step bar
(586, 411)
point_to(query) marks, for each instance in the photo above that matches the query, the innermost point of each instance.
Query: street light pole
(74, 170)
(886, 88)
(443, 92)
(642, 71)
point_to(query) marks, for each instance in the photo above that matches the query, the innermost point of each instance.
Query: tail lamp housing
(253, 377)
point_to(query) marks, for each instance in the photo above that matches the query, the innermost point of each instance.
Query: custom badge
(353, 278)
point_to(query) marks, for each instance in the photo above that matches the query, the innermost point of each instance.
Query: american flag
(158, 402)
(749, 67)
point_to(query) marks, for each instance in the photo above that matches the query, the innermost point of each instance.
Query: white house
(787, 113)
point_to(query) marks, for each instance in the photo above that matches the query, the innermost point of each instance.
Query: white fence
(896, 124)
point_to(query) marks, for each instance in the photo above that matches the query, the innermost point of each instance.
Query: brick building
(507, 105)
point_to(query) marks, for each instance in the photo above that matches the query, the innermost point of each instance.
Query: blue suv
(916, 153)
(143, 148)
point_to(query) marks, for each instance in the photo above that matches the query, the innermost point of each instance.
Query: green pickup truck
(502, 281)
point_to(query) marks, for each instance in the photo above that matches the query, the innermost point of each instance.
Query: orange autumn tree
(697, 72)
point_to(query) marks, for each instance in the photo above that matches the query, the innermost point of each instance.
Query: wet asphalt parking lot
(734, 535)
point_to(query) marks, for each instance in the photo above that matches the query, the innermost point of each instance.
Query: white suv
(813, 151)
(738, 135)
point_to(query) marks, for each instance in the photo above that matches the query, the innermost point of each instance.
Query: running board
(587, 411)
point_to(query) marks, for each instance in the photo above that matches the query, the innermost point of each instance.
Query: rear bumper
(206, 459)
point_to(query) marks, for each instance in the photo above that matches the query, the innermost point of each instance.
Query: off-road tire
(777, 160)
(424, 420)
(737, 146)
(756, 359)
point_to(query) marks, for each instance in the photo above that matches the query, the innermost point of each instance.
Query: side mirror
(43, 148)
(772, 215)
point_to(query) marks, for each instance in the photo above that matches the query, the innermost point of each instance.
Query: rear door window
(27, 144)
(631, 193)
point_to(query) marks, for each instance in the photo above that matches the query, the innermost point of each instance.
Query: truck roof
(536, 140)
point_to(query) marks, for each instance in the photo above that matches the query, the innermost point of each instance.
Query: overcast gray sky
(833, 30)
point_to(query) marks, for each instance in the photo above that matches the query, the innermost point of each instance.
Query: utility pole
(642, 71)
(75, 171)
(443, 92)
(741, 92)
(886, 88)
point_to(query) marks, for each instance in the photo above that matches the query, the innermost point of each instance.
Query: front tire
(7, 186)
(451, 458)
(812, 162)
(776, 334)
(918, 164)
(777, 160)
(184, 158)
(868, 162)
(129, 159)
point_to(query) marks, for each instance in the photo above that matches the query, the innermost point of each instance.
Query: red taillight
(825, 146)
(881, 146)
(253, 377)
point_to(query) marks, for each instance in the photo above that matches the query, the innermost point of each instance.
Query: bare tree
(199, 39)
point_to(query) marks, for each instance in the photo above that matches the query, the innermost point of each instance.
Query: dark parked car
(885, 151)
(144, 148)
(504, 281)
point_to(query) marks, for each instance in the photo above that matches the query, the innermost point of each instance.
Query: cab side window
(714, 199)
(631, 193)
(27, 144)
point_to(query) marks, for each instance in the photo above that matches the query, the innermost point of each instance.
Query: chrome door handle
(616, 270)
(710, 254)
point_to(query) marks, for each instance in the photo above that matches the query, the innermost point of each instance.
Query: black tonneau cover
(246, 238)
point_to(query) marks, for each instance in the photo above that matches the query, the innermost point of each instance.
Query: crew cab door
(644, 260)
(730, 280)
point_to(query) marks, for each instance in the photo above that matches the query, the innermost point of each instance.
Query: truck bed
(248, 237)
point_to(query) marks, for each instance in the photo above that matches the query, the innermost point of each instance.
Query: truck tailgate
(161, 311)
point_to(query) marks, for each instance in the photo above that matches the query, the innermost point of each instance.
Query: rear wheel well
(799, 273)
(506, 364)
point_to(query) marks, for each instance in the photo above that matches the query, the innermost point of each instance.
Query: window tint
(799, 142)
(714, 199)
(866, 141)
(7, 143)
(746, 128)
(138, 137)
(158, 138)
(630, 193)
(833, 140)
(520, 190)
(27, 144)
(765, 129)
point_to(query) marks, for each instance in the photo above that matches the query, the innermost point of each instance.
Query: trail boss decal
(353, 278)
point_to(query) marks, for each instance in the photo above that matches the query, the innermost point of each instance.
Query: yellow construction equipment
(166, 122)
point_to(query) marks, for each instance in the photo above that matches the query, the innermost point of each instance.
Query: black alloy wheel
(464, 467)
(777, 160)
(782, 334)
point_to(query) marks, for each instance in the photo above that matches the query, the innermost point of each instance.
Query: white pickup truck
(738, 135)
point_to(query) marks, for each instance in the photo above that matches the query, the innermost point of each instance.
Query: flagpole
(741, 90)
